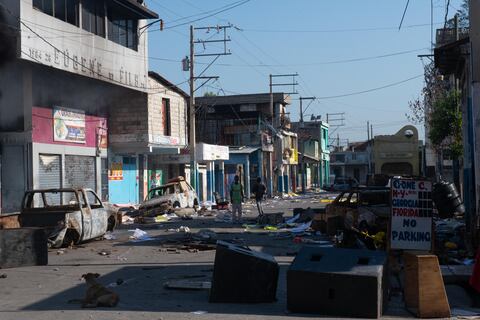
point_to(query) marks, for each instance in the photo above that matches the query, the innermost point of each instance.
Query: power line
(403, 16)
(370, 90)
(230, 7)
(339, 30)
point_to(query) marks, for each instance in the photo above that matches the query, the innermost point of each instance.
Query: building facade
(352, 161)
(150, 137)
(314, 154)
(260, 140)
(397, 154)
(74, 64)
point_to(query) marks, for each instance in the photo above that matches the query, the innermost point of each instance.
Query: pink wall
(42, 122)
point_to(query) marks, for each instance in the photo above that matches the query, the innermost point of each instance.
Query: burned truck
(69, 216)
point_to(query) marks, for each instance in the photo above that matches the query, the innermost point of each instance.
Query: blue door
(123, 188)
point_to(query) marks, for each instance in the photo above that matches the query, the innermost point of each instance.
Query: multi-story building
(151, 135)
(74, 63)
(314, 154)
(260, 140)
(354, 161)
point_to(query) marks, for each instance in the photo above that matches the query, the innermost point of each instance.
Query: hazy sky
(313, 38)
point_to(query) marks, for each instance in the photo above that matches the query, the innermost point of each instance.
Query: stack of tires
(447, 200)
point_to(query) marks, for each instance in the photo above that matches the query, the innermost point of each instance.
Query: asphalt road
(39, 293)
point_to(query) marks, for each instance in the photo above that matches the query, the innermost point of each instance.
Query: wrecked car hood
(155, 201)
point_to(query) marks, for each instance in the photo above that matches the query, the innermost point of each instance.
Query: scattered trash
(3, 276)
(183, 229)
(127, 220)
(188, 285)
(223, 216)
(119, 282)
(293, 219)
(109, 236)
(61, 251)
(301, 228)
(104, 253)
(56, 269)
(270, 228)
(140, 235)
(199, 312)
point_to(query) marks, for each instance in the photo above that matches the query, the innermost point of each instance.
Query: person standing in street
(259, 190)
(236, 197)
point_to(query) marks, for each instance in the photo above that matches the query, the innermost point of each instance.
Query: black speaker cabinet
(241, 275)
(338, 282)
(23, 247)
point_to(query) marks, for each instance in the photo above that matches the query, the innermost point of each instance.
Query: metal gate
(80, 172)
(49, 175)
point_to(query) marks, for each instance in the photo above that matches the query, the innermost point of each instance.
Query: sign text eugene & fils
(411, 221)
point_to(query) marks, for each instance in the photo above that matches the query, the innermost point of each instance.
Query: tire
(176, 205)
(112, 223)
(71, 237)
(195, 205)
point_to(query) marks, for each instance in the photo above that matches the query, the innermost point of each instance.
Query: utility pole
(301, 107)
(193, 155)
(194, 177)
(301, 146)
(276, 123)
(337, 120)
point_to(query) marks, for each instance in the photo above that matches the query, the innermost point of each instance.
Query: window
(166, 117)
(65, 10)
(122, 30)
(93, 17)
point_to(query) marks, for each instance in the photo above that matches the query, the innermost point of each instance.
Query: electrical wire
(370, 90)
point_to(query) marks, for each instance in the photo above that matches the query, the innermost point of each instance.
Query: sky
(312, 38)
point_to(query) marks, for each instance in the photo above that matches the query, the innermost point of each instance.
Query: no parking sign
(411, 221)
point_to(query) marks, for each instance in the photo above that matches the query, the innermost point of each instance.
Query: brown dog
(97, 295)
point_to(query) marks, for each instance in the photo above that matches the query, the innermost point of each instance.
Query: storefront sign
(411, 222)
(68, 125)
(210, 152)
(116, 171)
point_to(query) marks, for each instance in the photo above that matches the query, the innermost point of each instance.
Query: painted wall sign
(68, 125)
(116, 171)
(411, 222)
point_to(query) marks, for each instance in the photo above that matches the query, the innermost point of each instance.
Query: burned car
(176, 193)
(69, 216)
(363, 208)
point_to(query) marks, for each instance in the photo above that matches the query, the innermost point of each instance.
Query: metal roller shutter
(49, 175)
(80, 172)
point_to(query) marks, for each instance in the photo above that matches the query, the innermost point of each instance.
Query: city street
(144, 268)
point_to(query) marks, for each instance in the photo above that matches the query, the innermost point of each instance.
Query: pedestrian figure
(259, 190)
(236, 197)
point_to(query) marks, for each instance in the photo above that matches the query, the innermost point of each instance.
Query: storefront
(68, 146)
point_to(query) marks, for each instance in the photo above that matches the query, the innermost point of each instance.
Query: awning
(135, 7)
(243, 150)
(307, 158)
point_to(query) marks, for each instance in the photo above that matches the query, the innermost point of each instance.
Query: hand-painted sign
(411, 221)
(116, 171)
(68, 125)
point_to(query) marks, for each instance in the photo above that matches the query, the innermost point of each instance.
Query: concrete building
(397, 154)
(73, 65)
(258, 148)
(149, 134)
(352, 161)
(314, 154)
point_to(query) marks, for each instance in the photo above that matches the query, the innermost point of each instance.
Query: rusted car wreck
(69, 216)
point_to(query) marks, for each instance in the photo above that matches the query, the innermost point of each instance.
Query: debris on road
(187, 285)
(3, 276)
(183, 229)
(109, 236)
(140, 235)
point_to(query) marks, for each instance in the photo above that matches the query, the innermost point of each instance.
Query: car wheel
(112, 222)
(176, 205)
(195, 205)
